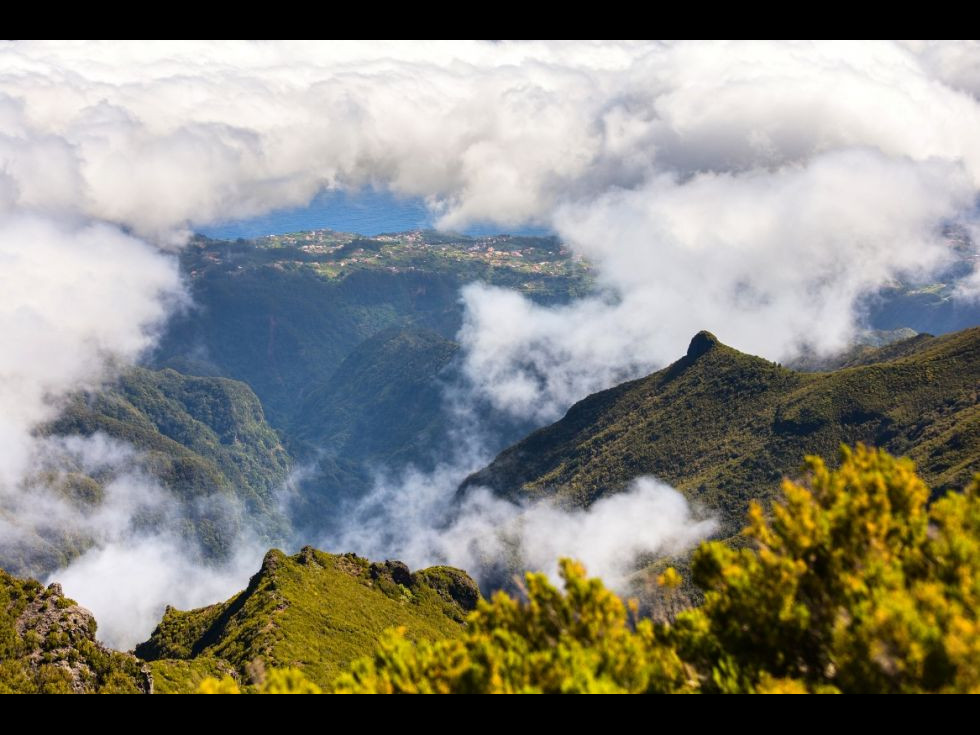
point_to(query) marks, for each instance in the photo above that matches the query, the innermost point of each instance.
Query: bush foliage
(852, 583)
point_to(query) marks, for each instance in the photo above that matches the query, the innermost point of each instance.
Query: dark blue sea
(366, 213)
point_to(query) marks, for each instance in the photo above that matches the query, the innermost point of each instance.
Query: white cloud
(486, 131)
(414, 517)
(128, 583)
(768, 260)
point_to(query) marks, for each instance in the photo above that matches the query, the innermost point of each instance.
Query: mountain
(724, 427)
(203, 439)
(47, 645)
(348, 341)
(315, 611)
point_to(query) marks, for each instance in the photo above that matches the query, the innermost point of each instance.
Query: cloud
(955, 63)
(502, 132)
(771, 261)
(126, 583)
(75, 294)
(414, 517)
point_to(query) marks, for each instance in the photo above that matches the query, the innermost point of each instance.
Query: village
(334, 254)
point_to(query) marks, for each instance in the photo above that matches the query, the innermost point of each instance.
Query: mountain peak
(701, 343)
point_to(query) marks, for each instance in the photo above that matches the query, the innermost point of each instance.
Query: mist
(126, 583)
(126, 556)
(756, 189)
(416, 517)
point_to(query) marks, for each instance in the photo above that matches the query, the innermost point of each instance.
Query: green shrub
(853, 583)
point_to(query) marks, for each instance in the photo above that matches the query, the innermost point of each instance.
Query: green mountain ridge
(313, 611)
(204, 439)
(724, 427)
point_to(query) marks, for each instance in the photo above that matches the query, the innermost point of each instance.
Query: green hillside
(47, 645)
(724, 427)
(391, 379)
(314, 611)
(204, 439)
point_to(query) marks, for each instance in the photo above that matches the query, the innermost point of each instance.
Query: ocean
(366, 213)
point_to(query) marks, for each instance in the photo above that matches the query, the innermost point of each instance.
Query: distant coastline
(368, 212)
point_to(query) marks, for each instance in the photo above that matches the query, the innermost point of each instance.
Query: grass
(314, 611)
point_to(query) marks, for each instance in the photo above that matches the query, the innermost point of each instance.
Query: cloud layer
(502, 132)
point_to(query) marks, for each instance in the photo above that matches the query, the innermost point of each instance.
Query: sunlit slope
(315, 611)
(725, 427)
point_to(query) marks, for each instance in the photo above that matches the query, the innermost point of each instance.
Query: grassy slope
(725, 427)
(314, 610)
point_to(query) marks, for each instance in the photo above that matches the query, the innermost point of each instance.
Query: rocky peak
(701, 343)
(395, 571)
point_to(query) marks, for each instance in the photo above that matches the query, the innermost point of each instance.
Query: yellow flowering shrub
(852, 582)
(579, 641)
(276, 681)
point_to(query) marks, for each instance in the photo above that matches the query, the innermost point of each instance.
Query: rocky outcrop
(453, 585)
(54, 647)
